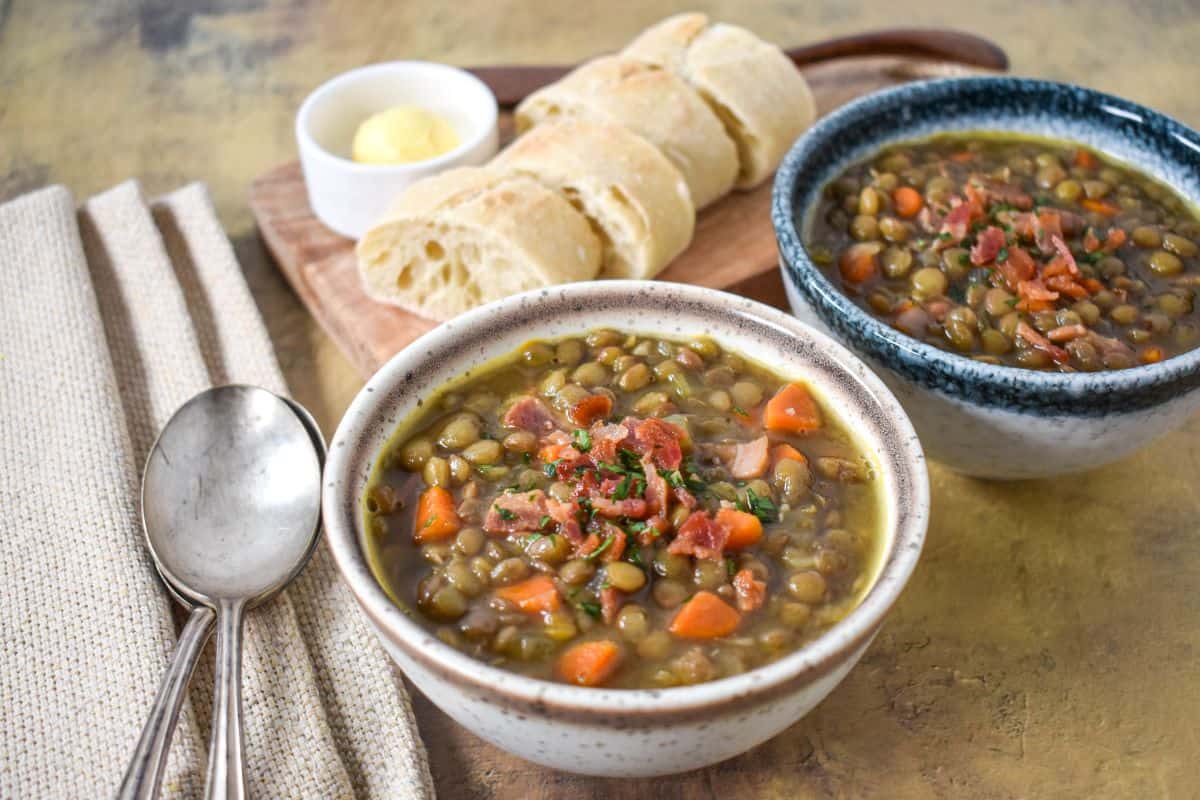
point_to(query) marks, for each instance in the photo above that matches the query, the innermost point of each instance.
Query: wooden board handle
(513, 83)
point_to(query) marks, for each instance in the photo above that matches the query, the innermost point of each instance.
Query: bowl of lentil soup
(1017, 259)
(625, 528)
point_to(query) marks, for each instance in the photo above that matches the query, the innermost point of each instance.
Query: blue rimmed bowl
(982, 419)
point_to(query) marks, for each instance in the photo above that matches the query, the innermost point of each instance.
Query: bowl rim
(340, 81)
(815, 659)
(954, 373)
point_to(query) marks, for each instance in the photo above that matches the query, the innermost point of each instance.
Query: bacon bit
(513, 513)
(1064, 253)
(617, 548)
(1065, 284)
(701, 536)
(530, 414)
(928, 220)
(938, 308)
(1035, 291)
(630, 507)
(1047, 226)
(608, 439)
(1018, 267)
(1090, 243)
(954, 226)
(660, 441)
(750, 459)
(610, 604)
(1109, 346)
(590, 409)
(988, 244)
(685, 498)
(1040, 342)
(1010, 194)
(751, 592)
(566, 515)
(1116, 237)
(1065, 333)
(657, 492)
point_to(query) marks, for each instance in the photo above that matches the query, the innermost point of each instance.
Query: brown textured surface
(1048, 644)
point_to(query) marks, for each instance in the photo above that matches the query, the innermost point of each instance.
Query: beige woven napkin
(110, 318)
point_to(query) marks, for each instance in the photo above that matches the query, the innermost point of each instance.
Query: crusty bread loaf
(652, 102)
(758, 94)
(635, 198)
(472, 235)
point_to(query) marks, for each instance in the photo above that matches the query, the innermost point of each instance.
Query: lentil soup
(1025, 252)
(624, 511)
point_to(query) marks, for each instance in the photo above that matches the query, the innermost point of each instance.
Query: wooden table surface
(1048, 644)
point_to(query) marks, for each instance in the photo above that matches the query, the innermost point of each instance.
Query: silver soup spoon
(231, 509)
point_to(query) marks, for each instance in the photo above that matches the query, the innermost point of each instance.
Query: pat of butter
(402, 135)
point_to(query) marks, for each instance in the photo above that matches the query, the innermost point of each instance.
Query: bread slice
(634, 197)
(758, 94)
(652, 102)
(471, 235)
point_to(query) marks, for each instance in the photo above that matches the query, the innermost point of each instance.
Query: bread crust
(630, 191)
(471, 235)
(654, 103)
(751, 85)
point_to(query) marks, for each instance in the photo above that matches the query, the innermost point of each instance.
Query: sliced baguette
(758, 94)
(635, 198)
(472, 235)
(652, 102)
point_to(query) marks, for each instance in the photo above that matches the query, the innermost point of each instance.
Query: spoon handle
(225, 780)
(144, 775)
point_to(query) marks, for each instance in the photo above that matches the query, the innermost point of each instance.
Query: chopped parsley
(1002, 255)
(636, 526)
(761, 507)
(544, 521)
(505, 514)
(964, 259)
(630, 460)
(741, 412)
(533, 537)
(634, 555)
(730, 566)
(622, 490)
(583, 439)
(526, 457)
(591, 607)
(551, 468)
(944, 236)
(607, 543)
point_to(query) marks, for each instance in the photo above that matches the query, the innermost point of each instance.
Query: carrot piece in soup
(907, 201)
(744, 529)
(792, 410)
(590, 409)
(705, 616)
(784, 450)
(436, 517)
(859, 262)
(532, 595)
(1084, 158)
(1100, 207)
(590, 663)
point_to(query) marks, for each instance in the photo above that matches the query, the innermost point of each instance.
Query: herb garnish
(544, 521)
(583, 439)
(635, 555)
(551, 468)
(1002, 255)
(505, 514)
(608, 540)
(592, 608)
(730, 566)
(761, 507)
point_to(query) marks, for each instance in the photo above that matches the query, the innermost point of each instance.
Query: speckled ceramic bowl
(621, 732)
(982, 419)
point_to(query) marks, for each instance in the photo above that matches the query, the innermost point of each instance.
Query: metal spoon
(231, 509)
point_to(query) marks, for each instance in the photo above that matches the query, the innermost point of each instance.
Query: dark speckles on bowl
(983, 419)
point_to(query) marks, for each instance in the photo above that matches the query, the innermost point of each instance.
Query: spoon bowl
(231, 496)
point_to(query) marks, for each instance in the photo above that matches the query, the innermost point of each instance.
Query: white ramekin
(349, 197)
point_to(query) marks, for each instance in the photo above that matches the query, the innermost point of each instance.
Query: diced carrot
(1093, 285)
(784, 450)
(859, 263)
(533, 595)
(705, 616)
(590, 663)
(552, 452)
(436, 517)
(962, 156)
(907, 201)
(744, 529)
(590, 409)
(1085, 159)
(1152, 355)
(1100, 207)
(792, 410)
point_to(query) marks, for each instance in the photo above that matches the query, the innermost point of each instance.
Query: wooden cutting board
(733, 247)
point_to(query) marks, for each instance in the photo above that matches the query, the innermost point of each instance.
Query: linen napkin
(111, 317)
